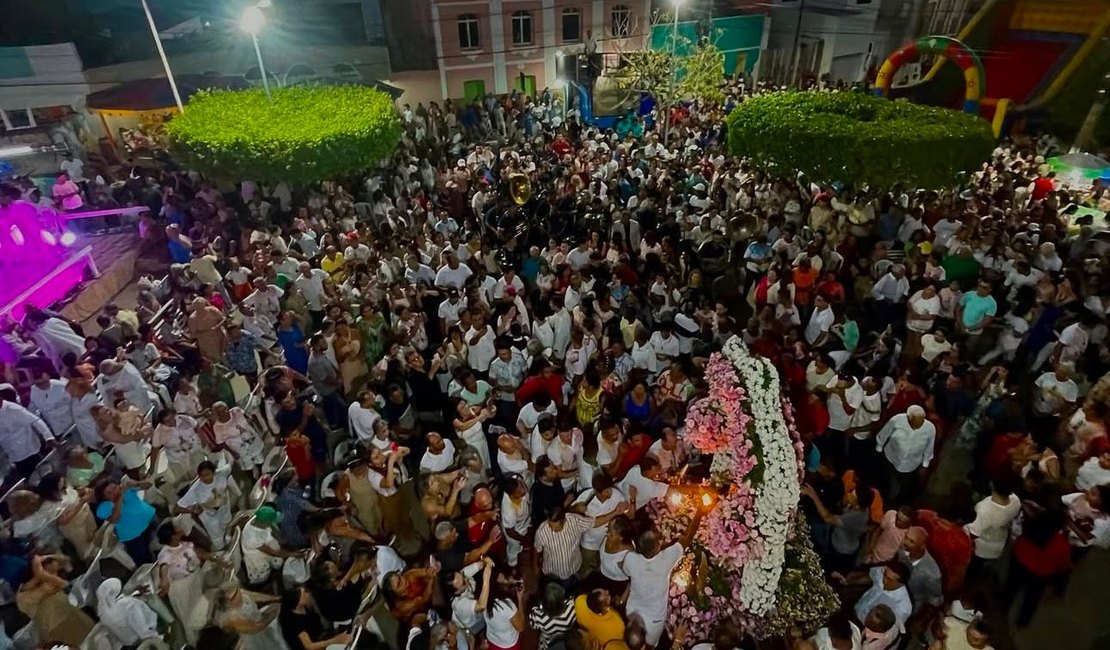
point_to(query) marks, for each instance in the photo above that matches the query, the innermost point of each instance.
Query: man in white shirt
(889, 293)
(907, 441)
(649, 572)
(450, 311)
(643, 483)
(1070, 344)
(845, 395)
(923, 308)
(50, 401)
(888, 587)
(22, 433)
(993, 515)
(480, 344)
(817, 329)
(665, 345)
(598, 501)
(311, 285)
(362, 416)
(453, 274)
(439, 455)
(580, 256)
(1054, 393)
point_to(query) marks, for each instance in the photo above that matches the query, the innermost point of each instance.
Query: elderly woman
(176, 437)
(83, 467)
(181, 580)
(253, 616)
(209, 499)
(232, 430)
(130, 620)
(32, 522)
(206, 327)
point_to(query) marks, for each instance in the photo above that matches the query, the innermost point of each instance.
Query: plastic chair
(100, 638)
(326, 489)
(82, 592)
(108, 545)
(274, 461)
(26, 638)
(341, 451)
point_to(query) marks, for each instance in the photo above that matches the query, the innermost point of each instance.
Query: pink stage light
(48, 238)
(17, 236)
(68, 238)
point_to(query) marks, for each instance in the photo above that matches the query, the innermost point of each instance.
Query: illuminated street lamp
(252, 22)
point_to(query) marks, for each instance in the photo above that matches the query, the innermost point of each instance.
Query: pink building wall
(498, 62)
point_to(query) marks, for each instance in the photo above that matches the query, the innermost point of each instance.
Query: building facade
(495, 46)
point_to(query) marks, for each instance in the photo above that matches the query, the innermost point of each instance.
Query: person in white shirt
(1068, 348)
(453, 274)
(923, 308)
(50, 401)
(907, 441)
(888, 587)
(845, 395)
(22, 433)
(649, 571)
(934, 345)
(362, 416)
(890, 292)
(817, 328)
(516, 518)
(601, 499)
(311, 285)
(480, 343)
(1055, 392)
(669, 450)
(440, 454)
(993, 515)
(643, 483)
(665, 345)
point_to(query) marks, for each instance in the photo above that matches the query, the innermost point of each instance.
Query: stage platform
(79, 285)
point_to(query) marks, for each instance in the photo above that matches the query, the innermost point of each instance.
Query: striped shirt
(552, 627)
(562, 554)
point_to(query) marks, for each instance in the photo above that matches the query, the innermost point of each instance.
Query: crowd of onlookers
(408, 410)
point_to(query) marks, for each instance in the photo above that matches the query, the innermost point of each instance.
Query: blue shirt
(179, 253)
(240, 354)
(135, 515)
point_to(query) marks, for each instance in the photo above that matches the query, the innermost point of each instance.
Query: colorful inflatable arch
(947, 47)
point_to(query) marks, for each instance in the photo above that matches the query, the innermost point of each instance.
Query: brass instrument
(520, 188)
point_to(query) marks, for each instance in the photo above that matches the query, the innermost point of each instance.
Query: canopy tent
(143, 95)
(1079, 170)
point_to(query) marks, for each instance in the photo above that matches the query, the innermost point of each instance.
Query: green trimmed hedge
(306, 135)
(858, 139)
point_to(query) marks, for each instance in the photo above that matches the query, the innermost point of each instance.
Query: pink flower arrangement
(717, 421)
(795, 437)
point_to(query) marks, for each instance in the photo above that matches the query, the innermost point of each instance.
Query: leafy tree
(681, 70)
(858, 139)
(305, 135)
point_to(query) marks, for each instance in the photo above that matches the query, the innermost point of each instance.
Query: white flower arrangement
(777, 497)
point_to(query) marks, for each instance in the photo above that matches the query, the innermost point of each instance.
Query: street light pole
(252, 22)
(674, 75)
(162, 55)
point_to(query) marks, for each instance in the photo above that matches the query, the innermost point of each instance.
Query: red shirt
(1053, 559)
(1041, 187)
(813, 417)
(537, 385)
(998, 463)
(300, 456)
(638, 447)
(561, 147)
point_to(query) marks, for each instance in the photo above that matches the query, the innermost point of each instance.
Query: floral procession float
(751, 561)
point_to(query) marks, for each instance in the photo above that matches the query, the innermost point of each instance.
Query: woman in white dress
(238, 611)
(181, 580)
(176, 437)
(468, 425)
(209, 500)
(232, 430)
(130, 620)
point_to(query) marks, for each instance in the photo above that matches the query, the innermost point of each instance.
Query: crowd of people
(428, 408)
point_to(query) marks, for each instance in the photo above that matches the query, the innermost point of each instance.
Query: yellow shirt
(334, 267)
(602, 627)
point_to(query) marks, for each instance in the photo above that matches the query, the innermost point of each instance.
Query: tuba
(520, 188)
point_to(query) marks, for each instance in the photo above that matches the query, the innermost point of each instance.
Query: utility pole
(797, 49)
